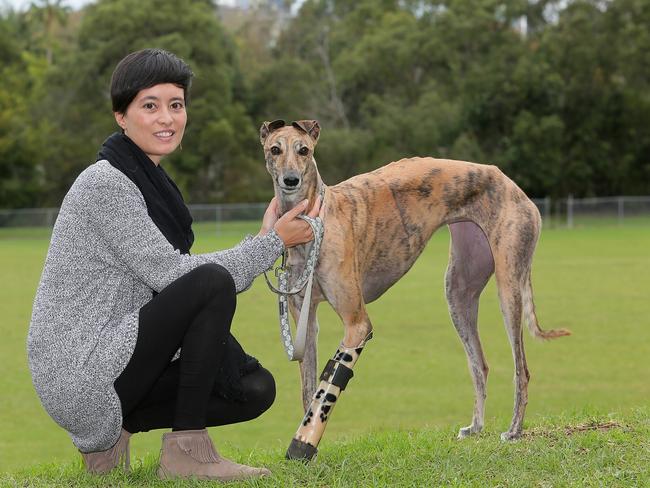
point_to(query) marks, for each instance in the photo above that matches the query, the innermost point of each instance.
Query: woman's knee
(214, 281)
(259, 387)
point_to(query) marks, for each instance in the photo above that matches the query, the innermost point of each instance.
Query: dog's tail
(531, 316)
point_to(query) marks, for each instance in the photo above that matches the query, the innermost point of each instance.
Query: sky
(75, 4)
(23, 4)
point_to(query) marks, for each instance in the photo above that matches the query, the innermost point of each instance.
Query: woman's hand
(292, 230)
(271, 216)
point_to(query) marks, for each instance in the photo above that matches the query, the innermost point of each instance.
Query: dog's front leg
(309, 362)
(334, 379)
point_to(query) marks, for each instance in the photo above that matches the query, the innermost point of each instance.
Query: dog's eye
(303, 151)
(275, 150)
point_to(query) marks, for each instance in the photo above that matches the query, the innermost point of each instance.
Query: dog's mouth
(289, 190)
(289, 184)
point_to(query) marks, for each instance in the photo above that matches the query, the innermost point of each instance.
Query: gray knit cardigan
(105, 258)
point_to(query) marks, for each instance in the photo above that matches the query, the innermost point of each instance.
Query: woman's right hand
(294, 231)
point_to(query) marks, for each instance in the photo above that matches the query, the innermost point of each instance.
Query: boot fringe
(199, 448)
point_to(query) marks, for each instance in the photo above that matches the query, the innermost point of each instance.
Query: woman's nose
(165, 116)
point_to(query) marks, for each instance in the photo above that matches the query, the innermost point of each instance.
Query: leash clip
(280, 270)
(283, 268)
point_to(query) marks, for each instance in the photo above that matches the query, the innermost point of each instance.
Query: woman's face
(155, 120)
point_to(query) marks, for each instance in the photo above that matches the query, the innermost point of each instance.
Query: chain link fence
(201, 213)
(570, 212)
(580, 212)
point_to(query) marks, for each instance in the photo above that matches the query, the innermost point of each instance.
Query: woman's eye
(275, 150)
(303, 151)
(177, 106)
(149, 106)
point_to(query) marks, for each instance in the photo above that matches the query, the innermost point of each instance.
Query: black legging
(193, 313)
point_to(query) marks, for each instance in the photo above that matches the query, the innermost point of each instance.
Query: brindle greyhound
(376, 225)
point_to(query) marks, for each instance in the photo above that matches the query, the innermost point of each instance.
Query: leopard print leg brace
(334, 378)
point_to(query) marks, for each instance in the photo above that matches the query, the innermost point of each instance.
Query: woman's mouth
(164, 135)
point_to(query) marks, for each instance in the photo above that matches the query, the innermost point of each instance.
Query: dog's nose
(291, 181)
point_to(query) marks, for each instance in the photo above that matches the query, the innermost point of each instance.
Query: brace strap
(337, 374)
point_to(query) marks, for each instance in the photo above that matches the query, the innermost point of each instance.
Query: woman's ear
(119, 118)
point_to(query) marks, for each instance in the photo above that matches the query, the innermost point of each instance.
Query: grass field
(596, 450)
(412, 379)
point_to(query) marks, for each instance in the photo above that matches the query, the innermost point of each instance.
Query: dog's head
(289, 155)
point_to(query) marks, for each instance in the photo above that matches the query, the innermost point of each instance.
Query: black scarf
(164, 201)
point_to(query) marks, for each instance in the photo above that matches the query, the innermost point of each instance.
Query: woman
(129, 331)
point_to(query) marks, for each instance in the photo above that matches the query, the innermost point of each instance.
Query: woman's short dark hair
(144, 69)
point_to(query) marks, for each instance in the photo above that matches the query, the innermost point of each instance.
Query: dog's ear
(268, 127)
(311, 127)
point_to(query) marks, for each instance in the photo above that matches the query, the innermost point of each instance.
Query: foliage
(555, 93)
(219, 132)
(553, 104)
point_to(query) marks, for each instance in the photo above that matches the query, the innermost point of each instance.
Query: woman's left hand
(271, 216)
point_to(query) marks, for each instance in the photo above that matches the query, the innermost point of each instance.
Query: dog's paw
(510, 436)
(467, 431)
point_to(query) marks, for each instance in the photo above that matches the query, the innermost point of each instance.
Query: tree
(20, 139)
(560, 101)
(220, 156)
(44, 16)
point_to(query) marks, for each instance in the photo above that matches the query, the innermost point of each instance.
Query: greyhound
(376, 226)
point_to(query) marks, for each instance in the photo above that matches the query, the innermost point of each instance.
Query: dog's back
(388, 215)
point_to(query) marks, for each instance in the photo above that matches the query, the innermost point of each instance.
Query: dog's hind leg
(511, 307)
(470, 266)
(513, 262)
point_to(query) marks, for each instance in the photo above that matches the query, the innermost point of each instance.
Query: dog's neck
(312, 186)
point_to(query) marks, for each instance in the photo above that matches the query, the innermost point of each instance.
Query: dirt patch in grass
(599, 425)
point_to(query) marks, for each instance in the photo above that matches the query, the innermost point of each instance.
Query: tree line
(555, 93)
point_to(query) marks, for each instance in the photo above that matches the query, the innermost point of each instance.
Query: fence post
(219, 217)
(621, 210)
(569, 211)
(547, 210)
(51, 216)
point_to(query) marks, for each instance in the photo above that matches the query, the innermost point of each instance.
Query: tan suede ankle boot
(101, 462)
(190, 453)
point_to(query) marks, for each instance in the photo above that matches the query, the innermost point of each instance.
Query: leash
(296, 350)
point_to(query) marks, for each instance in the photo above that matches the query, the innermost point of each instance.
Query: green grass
(412, 382)
(583, 449)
